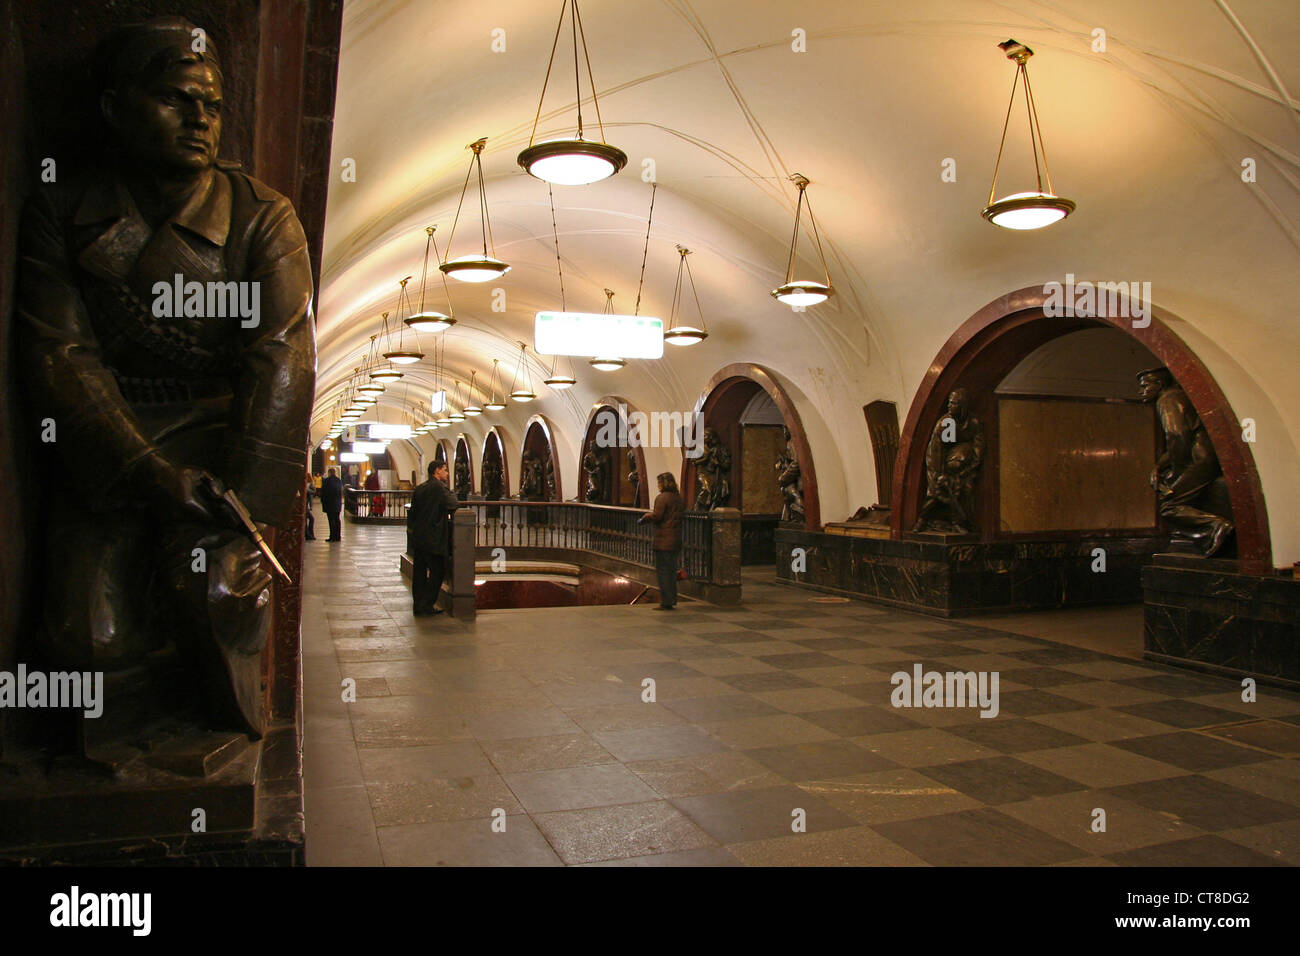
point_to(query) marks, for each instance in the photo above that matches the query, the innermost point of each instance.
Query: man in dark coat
(428, 538)
(164, 310)
(667, 516)
(331, 502)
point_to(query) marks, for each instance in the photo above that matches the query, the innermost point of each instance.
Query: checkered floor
(535, 719)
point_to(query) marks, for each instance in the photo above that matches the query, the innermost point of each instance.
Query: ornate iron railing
(601, 529)
(361, 503)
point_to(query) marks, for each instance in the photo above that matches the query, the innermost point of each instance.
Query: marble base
(69, 812)
(1202, 612)
(957, 575)
(757, 541)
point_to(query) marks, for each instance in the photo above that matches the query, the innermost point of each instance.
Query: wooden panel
(761, 446)
(1068, 465)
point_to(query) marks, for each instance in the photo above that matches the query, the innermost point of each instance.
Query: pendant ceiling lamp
(1027, 210)
(430, 320)
(557, 380)
(471, 407)
(577, 161)
(494, 404)
(614, 363)
(370, 385)
(400, 355)
(383, 373)
(475, 268)
(685, 334)
(459, 400)
(803, 292)
(521, 389)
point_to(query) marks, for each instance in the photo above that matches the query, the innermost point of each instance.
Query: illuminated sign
(352, 457)
(380, 430)
(438, 401)
(595, 334)
(369, 447)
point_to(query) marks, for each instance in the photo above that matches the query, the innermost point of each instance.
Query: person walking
(311, 519)
(667, 517)
(428, 538)
(331, 502)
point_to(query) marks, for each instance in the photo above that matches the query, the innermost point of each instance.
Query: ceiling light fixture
(400, 355)
(1027, 210)
(431, 321)
(803, 292)
(577, 161)
(522, 392)
(614, 363)
(475, 268)
(471, 407)
(555, 380)
(685, 334)
(494, 404)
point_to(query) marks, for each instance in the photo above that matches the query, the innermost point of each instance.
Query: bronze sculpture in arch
(986, 346)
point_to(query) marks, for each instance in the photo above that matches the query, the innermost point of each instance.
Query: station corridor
(779, 705)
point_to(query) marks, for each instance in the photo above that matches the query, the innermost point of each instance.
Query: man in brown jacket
(667, 514)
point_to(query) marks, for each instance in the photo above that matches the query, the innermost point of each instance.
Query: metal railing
(601, 529)
(361, 503)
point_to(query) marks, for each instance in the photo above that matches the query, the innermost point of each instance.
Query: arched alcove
(539, 442)
(494, 456)
(723, 401)
(610, 418)
(997, 338)
(462, 472)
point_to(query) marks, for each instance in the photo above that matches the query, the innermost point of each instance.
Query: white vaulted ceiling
(1148, 137)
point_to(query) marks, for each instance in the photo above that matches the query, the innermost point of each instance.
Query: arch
(986, 346)
(493, 434)
(622, 408)
(536, 426)
(715, 391)
(462, 442)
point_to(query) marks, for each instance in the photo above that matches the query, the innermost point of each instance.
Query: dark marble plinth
(67, 811)
(758, 539)
(957, 575)
(1205, 613)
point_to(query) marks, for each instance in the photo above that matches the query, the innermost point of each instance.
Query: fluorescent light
(593, 334)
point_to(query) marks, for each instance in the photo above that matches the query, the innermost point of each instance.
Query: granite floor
(524, 739)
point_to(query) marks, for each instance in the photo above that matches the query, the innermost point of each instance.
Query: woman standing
(667, 515)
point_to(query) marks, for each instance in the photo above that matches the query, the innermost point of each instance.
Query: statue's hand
(180, 490)
(1155, 478)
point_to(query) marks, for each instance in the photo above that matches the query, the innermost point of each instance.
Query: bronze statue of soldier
(1190, 491)
(161, 400)
(790, 480)
(595, 464)
(463, 486)
(952, 463)
(712, 474)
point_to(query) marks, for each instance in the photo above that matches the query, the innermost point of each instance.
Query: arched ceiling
(1148, 137)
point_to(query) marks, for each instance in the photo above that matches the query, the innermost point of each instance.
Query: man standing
(667, 544)
(331, 502)
(428, 538)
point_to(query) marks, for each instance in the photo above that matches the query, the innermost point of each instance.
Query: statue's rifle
(236, 508)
